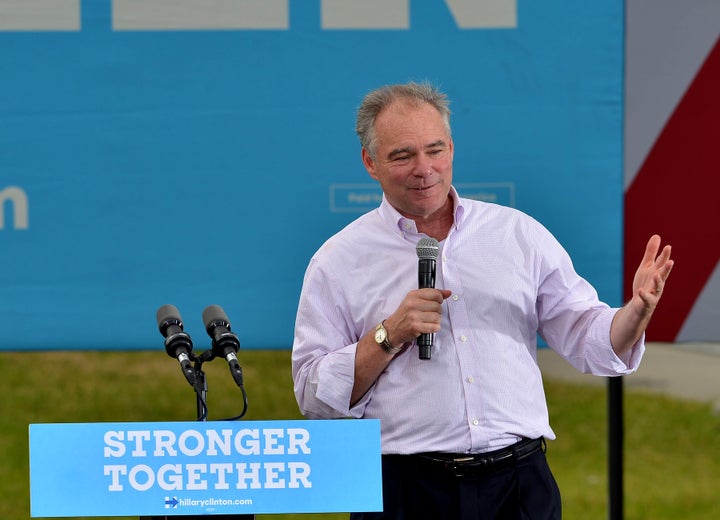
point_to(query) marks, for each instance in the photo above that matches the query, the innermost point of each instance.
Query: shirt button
(475, 422)
(455, 297)
(470, 379)
(463, 338)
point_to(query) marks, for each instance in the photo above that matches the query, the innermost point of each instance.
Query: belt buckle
(472, 469)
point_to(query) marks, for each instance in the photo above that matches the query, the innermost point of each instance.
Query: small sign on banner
(204, 468)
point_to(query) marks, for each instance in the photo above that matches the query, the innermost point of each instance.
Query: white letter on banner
(175, 478)
(365, 14)
(20, 204)
(395, 14)
(221, 470)
(253, 475)
(40, 15)
(158, 15)
(299, 438)
(272, 479)
(299, 471)
(115, 471)
(182, 443)
(471, 14)
(194, 472)
(214, 441)
(113, 440)
(164, 443)
(251, 447)
(141, 468)
(271, 441)
(138, 436)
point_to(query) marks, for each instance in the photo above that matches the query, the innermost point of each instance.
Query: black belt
(475, 464)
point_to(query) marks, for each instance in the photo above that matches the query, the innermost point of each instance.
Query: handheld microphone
(224, 342)
(427, 250)
(177, 343)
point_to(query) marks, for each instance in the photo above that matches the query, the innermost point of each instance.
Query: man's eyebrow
(410, 150)
(400, 151)
(438, 143)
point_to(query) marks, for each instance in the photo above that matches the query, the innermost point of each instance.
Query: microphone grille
(427, 249)
(213, 313)
(168, 313)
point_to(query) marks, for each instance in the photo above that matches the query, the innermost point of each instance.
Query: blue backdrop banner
(197, 153)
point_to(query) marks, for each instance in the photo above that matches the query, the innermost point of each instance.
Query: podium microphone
(427, 250)
(177, 343)
(224, 342)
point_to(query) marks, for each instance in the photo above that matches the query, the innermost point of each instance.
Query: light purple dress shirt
(482, 390)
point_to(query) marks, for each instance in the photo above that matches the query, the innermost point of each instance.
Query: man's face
(413, 159)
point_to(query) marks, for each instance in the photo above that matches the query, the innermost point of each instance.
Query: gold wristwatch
(381, 338)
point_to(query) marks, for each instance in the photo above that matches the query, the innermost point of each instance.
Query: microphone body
(177, 342)
(427, 250)
(224, 342)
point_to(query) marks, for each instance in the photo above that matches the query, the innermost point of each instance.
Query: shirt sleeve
(573, 321)
(323, 358)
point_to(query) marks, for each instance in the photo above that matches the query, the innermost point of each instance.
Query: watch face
(380, 335)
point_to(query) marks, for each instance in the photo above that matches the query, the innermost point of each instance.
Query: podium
(157, 470)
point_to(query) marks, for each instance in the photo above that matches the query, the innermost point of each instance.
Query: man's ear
(369, 163)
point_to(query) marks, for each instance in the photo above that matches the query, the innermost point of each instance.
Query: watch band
(382, 339)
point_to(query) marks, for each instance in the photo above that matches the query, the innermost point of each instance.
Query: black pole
(201, 389)
(615, 447)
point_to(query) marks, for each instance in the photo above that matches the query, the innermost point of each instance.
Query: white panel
(39, 15)
(703, 323)
(17, 199)
(395, 14)
(150, 15)
(475, 14)
(666, 43)
(365, 14)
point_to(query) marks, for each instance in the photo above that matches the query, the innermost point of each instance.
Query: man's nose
(423, 165)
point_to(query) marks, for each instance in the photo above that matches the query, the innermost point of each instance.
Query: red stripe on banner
(675, 194)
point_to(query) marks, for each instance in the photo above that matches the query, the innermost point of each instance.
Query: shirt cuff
(335, 379)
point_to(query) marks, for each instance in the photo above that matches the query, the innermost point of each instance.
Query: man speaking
(463, 429)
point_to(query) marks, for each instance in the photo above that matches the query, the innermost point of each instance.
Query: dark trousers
(414, 490)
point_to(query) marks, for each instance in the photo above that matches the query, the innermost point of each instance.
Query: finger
(659, 283)
(666, 268)
(434, 295)
(647, 297)
(664, 256)
(651, 249)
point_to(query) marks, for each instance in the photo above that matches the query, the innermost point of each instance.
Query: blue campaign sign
(204, 468)
(193, 153)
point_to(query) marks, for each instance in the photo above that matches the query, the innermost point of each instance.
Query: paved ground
(684, 370)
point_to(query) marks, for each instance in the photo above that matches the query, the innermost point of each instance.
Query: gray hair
(378, 99)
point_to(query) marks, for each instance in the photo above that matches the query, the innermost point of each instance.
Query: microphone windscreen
(427, 248)
(214, 313)
(166, 314)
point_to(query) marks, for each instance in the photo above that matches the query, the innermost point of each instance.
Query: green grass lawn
(672, 455)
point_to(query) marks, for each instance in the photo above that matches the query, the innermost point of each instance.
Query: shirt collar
(405, 226)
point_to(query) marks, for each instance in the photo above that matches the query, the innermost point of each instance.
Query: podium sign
(204, 468)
